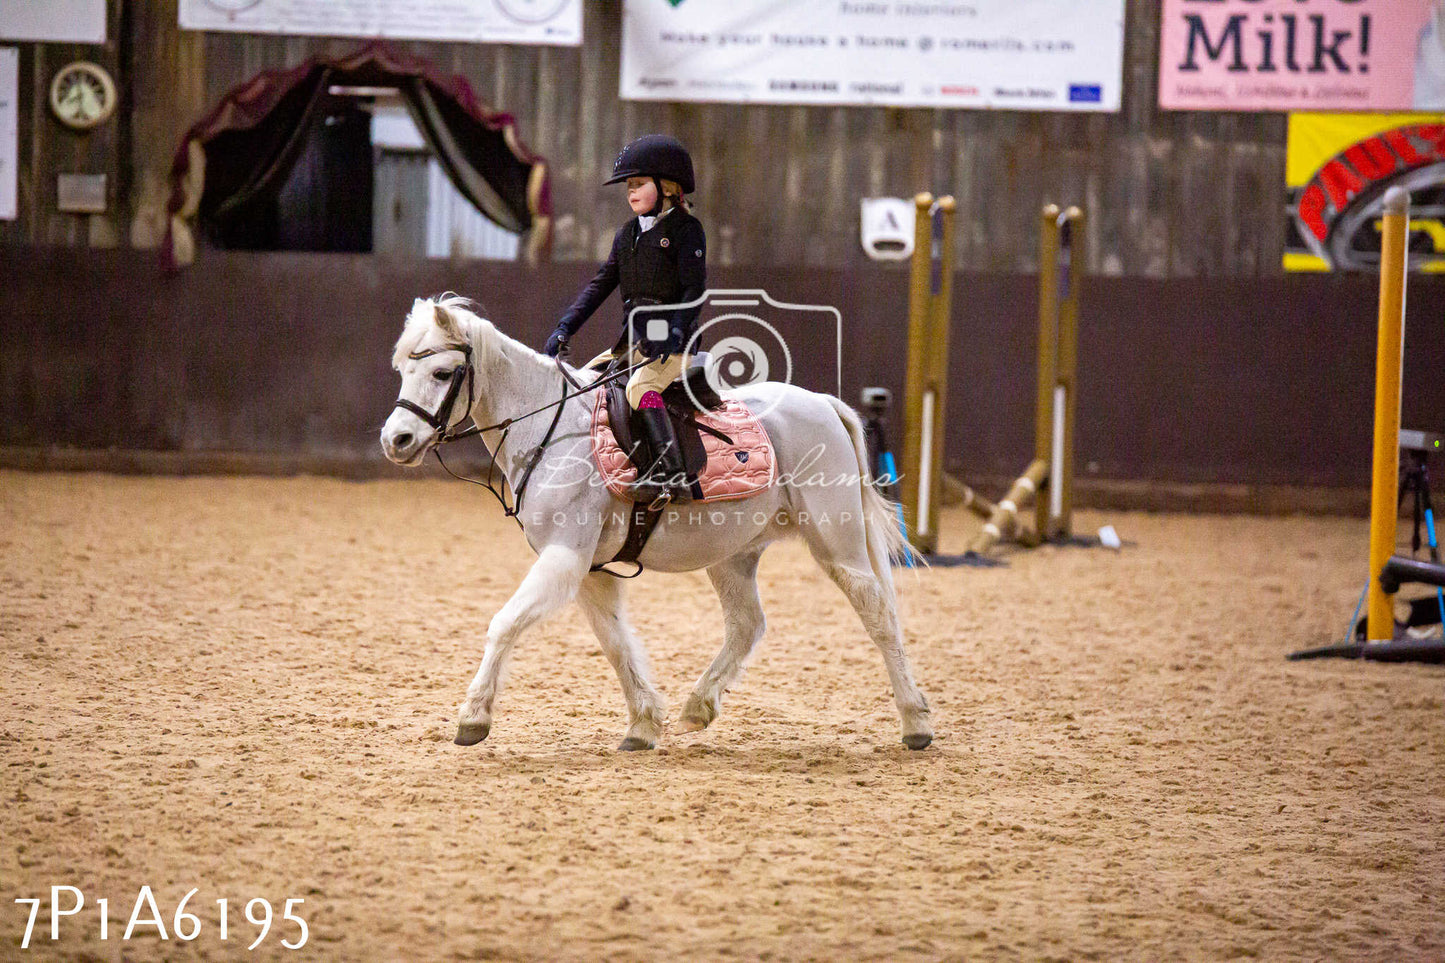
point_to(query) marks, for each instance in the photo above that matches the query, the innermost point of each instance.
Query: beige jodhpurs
(653, 376)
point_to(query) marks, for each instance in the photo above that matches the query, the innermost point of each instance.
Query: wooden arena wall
(1170, 194)
(1202, 365)
(1263, 382)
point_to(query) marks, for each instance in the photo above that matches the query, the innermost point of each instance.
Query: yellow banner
(1337, 168)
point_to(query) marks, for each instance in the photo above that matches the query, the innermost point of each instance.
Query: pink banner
(1296, 55)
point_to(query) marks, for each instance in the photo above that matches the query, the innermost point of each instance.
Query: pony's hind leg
(601, 600)
(549, 585)
(736, 582)
(877, 609)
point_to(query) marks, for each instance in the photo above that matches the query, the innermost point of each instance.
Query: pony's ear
(450, 327)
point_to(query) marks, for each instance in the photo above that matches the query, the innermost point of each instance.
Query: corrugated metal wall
(1170, 194)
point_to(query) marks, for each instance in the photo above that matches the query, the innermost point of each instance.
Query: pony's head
(435, 357)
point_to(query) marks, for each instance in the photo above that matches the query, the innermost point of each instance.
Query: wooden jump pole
(1054, 421)
(1005, 516)
(930, 296)
(917, 371)
(973, 501)
(940, 310)
(1048, 353)
(1389, 362)
(1061, 273)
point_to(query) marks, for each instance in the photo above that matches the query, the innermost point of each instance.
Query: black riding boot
(667, 477)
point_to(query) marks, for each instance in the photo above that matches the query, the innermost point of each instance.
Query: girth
(641, 520)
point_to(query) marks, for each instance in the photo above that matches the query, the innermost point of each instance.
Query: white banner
(9, 129)
(1008, 54)
(478, 21)
(57, 21)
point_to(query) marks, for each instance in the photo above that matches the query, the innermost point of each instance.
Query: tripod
(1415, 481)
(880, 456)
(885, 471)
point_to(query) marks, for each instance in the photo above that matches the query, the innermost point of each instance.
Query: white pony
(572, 521)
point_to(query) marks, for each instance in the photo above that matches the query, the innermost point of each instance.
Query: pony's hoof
(471, 733)
(697, 715)
(634, 744)
(917, 741)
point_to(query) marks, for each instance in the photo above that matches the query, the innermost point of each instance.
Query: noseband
(460, 376)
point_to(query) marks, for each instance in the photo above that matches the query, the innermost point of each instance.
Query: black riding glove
(557, 343)
(676, 341)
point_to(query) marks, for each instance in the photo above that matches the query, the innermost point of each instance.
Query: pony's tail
(882, 525)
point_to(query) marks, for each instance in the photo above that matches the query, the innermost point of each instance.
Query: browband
(441, 420)
(465, 349)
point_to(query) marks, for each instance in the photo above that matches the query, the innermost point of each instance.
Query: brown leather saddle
(683, 401)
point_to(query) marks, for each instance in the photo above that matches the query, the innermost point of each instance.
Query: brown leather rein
(465, 374)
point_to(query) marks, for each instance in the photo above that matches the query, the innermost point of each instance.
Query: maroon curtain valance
(247, 145)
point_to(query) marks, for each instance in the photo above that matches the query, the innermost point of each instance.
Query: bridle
(442, 419)
(465, 374)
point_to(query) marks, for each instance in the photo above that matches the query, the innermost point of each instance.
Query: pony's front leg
(550, 584)
(602, 601)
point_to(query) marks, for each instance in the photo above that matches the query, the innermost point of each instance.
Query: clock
(82, 95)
(531, 11)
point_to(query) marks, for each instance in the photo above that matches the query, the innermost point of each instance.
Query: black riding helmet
(654, 155)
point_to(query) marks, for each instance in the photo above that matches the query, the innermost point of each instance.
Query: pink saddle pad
(743, 468)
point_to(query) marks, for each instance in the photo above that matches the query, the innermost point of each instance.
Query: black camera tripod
(1414, 481)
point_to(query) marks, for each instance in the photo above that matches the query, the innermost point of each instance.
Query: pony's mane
(489, 344)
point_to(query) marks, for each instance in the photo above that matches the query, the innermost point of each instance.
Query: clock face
(531, 11)
(82, 95)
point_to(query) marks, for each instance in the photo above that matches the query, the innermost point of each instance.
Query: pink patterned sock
(650, 399)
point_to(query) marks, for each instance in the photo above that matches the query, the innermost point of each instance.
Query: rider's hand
(676, 341)
(556, 344)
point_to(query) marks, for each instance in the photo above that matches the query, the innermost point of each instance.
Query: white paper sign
(1008, 54)
(886, 227)
(9, 130)
(479, 21)
(57, 21)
